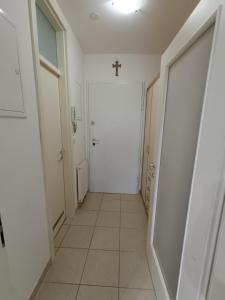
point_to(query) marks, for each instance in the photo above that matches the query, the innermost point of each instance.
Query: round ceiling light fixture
(127, 6)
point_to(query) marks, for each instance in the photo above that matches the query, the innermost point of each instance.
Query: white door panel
(115, 123)
(180, 258)
(52, 143)
(185, 93)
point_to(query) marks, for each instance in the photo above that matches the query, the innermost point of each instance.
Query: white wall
(134, 67)
(22, 200)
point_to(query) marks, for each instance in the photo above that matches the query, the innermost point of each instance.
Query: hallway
(112, 175)
(101, 253)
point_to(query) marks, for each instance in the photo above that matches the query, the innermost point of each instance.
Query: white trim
(157, 276)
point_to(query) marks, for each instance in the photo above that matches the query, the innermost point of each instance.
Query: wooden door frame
(141, 135)
(58, 21)
(144, 123)
(195, 267)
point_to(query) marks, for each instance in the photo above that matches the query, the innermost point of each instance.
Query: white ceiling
(146, 32)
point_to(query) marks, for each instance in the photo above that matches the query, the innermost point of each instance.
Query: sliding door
(185, 92)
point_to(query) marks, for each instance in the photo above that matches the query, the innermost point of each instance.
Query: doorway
(50, 114)
(115, 115)
(50, 59)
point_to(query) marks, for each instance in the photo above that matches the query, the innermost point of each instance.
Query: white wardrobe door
(186, 86)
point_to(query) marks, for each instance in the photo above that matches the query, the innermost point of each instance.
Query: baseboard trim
(38, 285)
(157, 276)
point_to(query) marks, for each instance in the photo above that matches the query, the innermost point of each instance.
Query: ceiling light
(127, 6)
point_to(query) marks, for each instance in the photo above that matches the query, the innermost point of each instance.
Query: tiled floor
(101, 253)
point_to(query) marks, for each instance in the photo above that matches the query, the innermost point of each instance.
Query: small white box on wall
(11, 95)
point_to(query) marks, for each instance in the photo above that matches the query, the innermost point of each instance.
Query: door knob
(95, 142)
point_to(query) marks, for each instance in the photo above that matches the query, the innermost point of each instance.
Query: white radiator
(82, 180)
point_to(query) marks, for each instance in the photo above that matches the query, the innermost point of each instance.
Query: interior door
(184, 101)
(52, 145)
(115, 127)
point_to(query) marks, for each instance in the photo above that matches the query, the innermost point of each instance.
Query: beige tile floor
(101, 253)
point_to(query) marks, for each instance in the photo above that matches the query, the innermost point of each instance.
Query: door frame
(208, 182)
(58, 21)
(151, 85)
(141, 134)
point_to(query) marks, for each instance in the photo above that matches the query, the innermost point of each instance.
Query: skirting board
(157, 276)
(38, 285)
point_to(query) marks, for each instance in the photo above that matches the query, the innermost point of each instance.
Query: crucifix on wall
(117, 65)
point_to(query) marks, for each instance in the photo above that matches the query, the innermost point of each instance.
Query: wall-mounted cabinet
(11, 97)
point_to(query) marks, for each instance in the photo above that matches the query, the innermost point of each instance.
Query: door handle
(95, 142)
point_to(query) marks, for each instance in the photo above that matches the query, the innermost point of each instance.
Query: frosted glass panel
(186, 86)
(46, 38)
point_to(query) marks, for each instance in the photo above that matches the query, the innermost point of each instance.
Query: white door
(115, 127)
(190, 177)
(184, 99)
(52, 145)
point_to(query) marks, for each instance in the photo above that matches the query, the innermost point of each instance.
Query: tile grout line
(60, 245)
(99, 249)
(88, 250)
(98, 285)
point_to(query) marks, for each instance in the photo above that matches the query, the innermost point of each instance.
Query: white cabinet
(11, 96)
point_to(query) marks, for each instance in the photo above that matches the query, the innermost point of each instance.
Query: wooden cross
(117, 65)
